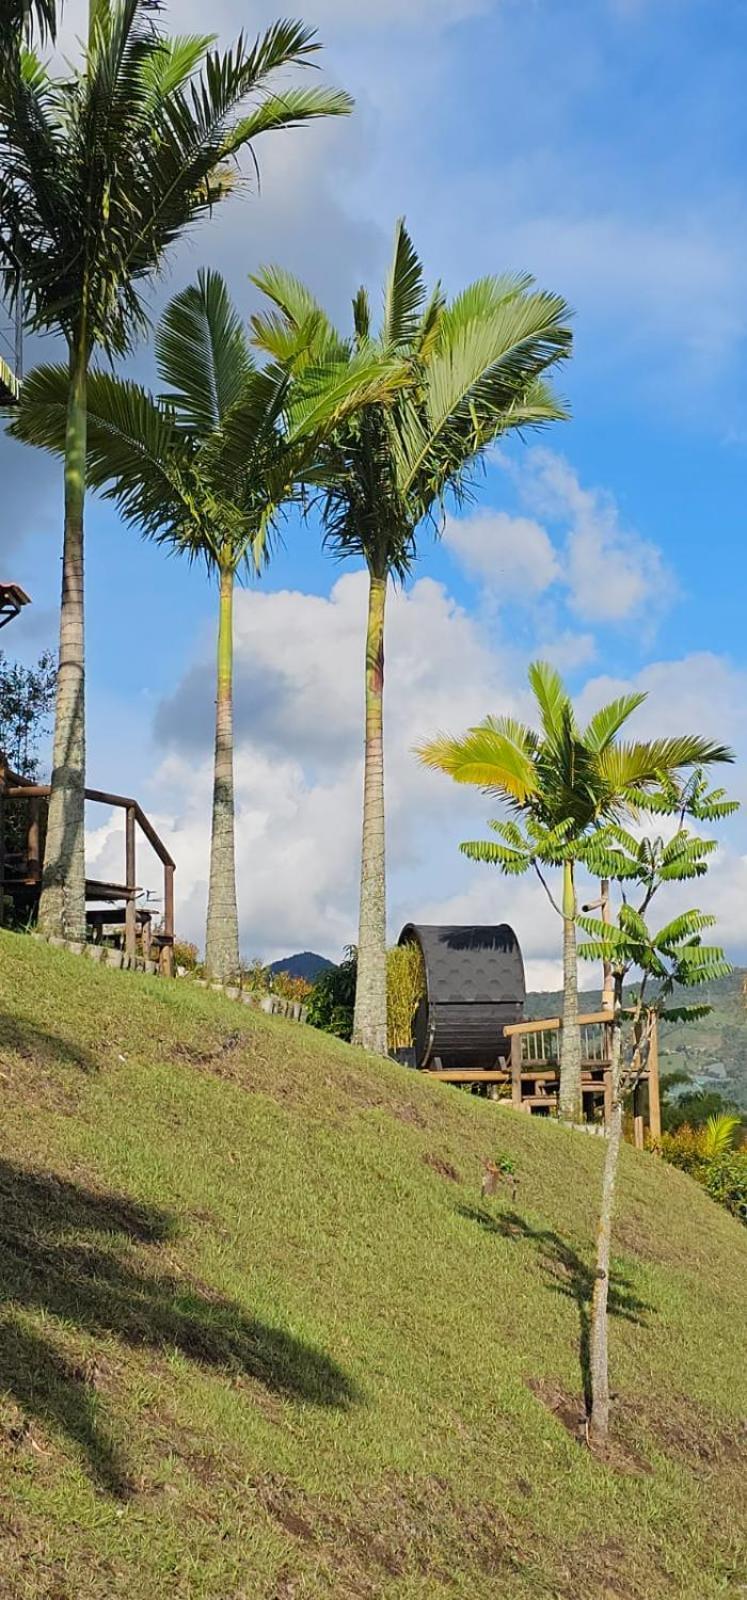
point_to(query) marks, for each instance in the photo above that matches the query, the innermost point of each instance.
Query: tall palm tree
(476, 368)
(206, 468)
(565, 782)
(100, 173)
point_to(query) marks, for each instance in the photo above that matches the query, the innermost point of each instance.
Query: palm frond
(607, 722)
(202, 353)
(404, 292)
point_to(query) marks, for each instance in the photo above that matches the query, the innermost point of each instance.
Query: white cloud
(513, 555)
(612, 574)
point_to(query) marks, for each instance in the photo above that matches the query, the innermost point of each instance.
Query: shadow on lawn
(67, 1252)
(45, 1049)
(568, 1274)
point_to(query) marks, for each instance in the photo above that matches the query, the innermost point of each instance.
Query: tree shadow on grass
(44, 1049)
(568, 1274)
(67, 1252)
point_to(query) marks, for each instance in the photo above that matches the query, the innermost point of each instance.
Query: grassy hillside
(261, 1339)
(720, 1038)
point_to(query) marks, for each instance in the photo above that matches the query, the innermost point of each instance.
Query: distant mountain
(305, 965)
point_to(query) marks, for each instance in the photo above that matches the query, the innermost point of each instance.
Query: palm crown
(564, 776)
(101, 171)
(475, 370)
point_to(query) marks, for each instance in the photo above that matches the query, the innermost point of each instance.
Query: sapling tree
(670, 958)
(560, 783)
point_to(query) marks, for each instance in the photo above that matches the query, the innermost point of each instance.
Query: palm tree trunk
(598, 1348)
(570, 1102)
(222, 936)
(370, 1016)
(62, 907)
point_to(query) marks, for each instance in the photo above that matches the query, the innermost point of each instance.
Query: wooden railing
(535, 1069)
(35, 793)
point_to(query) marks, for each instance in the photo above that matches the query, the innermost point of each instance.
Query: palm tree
(99, 174)
(206, 469)
(564, 782)
(475, 369)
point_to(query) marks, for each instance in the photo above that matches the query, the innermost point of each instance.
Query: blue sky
(601, 146)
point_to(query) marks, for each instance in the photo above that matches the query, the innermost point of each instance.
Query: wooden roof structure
(12, 600)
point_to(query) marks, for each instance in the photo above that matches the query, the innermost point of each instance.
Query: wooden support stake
(638, 1138)
(654, 1096)
(131, 883)
(516, 1071)
(167, 953)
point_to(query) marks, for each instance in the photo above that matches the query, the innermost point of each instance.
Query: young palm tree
(564, 782)
(476, 368)
(99, 174)
(206, 469)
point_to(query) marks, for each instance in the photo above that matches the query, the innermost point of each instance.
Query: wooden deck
(532, 1073)
(20, 877)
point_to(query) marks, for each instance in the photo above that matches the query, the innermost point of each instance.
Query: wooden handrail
(134, 814)
(552, 1024)
(42, 791)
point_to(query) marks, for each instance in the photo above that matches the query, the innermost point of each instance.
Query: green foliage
(101, 171)
(26, 703)
(332, 1000)
(709, 1156)
(405, 985)
(186, 955)
(471, 371)
(570, 789)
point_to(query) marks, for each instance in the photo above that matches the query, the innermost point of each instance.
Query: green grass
(261, 1339)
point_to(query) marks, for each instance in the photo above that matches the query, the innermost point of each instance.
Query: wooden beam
(461, 1075)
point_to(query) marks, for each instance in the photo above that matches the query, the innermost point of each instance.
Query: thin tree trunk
(598, 1344)
(370, 1016)
(222, 936)
(570, 1101)
(62, 907)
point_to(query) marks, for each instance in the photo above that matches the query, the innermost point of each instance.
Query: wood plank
(459, 1075)
(552, 1024)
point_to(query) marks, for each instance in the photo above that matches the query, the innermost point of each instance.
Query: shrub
(332, 998)
(707, 1154)
(186, 955)
(283, 983)
(405, 987)
(726, 1182)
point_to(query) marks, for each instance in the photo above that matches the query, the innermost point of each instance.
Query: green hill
(262, 1340)
(713, 1050)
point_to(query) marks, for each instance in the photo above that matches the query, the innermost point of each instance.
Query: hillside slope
(261, 1340)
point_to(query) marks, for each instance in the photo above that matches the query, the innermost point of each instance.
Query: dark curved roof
(474, 963)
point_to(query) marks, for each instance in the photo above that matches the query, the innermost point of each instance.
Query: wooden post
(654, 1096)
(33, 843)
(131, 883)
(516, 1071)
(638, 1138)
(167, 953)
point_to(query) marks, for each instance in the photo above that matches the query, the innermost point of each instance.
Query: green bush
(725, 1180)
(332, 998)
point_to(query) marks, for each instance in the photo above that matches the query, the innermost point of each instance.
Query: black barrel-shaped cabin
(474, 987)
